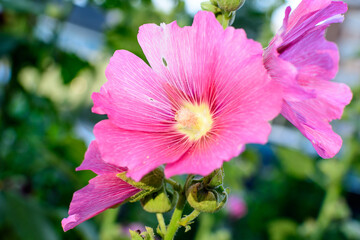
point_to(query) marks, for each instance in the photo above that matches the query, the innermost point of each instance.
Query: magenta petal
(206, 156)
(303, 62)
(94, 162)
(312, 116)
(140, 152)
(185, 57)
(102, 192)
(316, 61)
(134, 97)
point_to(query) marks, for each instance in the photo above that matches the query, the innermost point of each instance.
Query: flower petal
(206, 155)
(301, 43)
(140, 152)
(317, 13)
(313, 56)
(134, 97)
(102, 192)
(246, 124)
(312, 116)
(183, 56)
(95, 163)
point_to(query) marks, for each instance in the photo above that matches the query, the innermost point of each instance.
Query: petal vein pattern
(206, 95)
(303, 61)
(102, 192)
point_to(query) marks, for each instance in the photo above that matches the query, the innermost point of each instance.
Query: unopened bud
(230, 5)
(205, 200)
(215, 179)
(159, 202)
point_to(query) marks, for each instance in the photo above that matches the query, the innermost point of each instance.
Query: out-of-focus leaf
(71, 65)
(27, 220)
(282, 229)
(23, 6)
(331, 168)
(295, 163)
(8, 43)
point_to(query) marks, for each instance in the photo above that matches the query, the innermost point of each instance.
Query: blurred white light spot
(164, 5)
(114, 17)
(80, 3)
(264, 5)
(193, 6)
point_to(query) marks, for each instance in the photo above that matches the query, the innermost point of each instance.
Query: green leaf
(295, 163)
(71, 65)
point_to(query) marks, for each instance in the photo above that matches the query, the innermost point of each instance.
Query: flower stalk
(162, 224)
(176, 217)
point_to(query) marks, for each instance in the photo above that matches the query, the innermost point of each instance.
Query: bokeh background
(53, 54)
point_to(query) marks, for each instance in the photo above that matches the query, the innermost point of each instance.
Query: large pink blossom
(303, 61)
(205, 96)
(102, 192)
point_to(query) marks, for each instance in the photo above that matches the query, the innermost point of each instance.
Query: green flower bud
(230, 5)
(205, 200)
(159, 202)
(215, 179)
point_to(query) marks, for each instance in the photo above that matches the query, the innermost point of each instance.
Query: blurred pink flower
(303, 61)
(236, 207)
(205, 96)
(104, 191)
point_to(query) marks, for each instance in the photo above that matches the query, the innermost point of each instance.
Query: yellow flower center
(194, 120)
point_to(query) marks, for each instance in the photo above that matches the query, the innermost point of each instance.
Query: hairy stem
(175, 219)
(189, 218)
(161, 221)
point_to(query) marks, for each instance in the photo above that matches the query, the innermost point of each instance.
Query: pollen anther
(194, 120)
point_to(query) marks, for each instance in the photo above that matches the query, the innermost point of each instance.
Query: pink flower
(236, 207)
(104, 191)
(303, 61)
(204, 97)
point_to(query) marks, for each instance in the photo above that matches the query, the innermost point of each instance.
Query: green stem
(175, 219)
(161, 221)
(333, 193)
(189, 218)
(108, 224)
(173, 183)
(225, 21)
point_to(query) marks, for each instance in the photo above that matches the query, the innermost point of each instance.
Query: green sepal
(150, 183)
(159, 202)
(147, 235)
(215, 179)
(208, 6)
(135, 235)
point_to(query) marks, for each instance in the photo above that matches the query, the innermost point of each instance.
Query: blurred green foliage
(289, 194)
